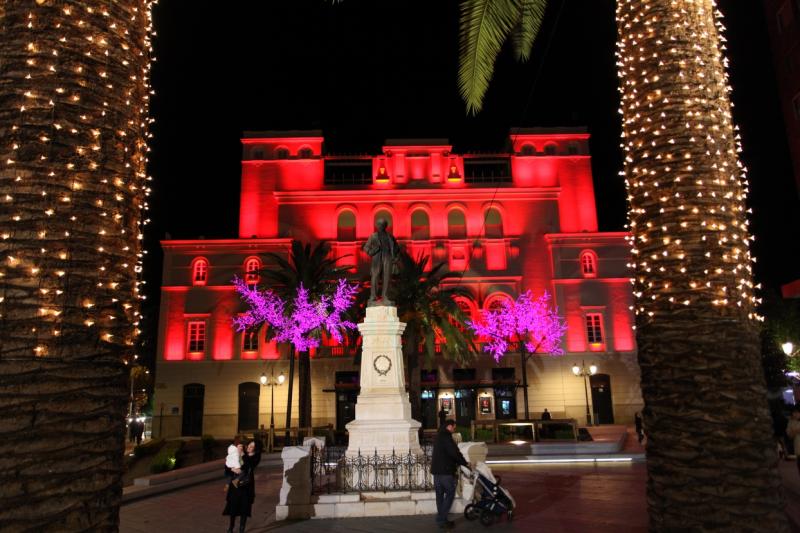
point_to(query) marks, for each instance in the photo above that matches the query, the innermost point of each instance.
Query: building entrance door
(345, 408)
(601, 398)
(248, 406)
(430, 415)
(465, 406)
(193, 396)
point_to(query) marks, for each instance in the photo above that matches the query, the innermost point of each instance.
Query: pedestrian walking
(241, 494)
(793, 431)
(445, 460)
(442, 416)
(139, 431)
(637, 420)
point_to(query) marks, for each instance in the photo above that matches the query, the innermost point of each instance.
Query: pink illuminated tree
(301, 322)
(534, 323)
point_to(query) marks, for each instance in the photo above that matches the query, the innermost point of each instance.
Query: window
(197, 336)
(456, 224)
(496, 301)
(199, 271)
(251, 267)
(594, 329)
(420, 225)
(528, 149)
(250, 341)
(494, 224)
(572, 149)
(588, 261)
(258, 153)
(550, 149)
(346, 226)
(385, 215)
(282, 153)
(305, 153)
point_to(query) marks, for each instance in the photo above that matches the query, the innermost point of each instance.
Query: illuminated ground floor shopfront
(221, 398)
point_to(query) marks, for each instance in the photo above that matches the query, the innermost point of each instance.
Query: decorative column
(383, 422)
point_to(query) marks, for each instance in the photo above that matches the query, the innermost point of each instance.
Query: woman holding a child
(241, 491)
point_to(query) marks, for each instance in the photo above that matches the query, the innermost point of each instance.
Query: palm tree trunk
(287, 437)
(305, 389)
(73, 125)
(710, 456)
(413, 378)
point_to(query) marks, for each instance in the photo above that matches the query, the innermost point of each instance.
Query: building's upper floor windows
(528, 149)
(252, 266)
(594, 330)
(305, 153)
(348, 172)
(420, 225)
(346, 226)
(493, 224)
(495, 170)
(281, 153)
(496, 301)
(573, 149)
(550, 149)
(456, 224)
(258, 153)
(200, 271)
(250, 341)
(588, 261)
(196, 335)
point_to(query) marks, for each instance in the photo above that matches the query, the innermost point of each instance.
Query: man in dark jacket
(445, 460)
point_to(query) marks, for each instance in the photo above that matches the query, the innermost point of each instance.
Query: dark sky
(364, 71)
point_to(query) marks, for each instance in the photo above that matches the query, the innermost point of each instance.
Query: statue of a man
(383, 249)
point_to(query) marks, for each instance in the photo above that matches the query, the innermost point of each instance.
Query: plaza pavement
(568, 498)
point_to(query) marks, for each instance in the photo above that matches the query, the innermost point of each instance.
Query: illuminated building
(512, 221)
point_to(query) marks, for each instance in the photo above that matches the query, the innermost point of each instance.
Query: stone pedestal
(383, 422)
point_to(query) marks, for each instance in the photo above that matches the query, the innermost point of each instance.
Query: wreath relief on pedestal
(382, 364)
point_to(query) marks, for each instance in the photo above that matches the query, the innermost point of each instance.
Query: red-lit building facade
(512, 221)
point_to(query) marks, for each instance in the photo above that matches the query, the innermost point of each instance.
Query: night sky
(365, 71)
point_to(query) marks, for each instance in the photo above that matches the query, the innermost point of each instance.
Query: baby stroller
(490, 500)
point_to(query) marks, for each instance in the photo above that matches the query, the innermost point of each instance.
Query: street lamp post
(271, 382)
(582, 371)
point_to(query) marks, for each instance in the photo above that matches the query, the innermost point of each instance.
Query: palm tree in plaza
(314, 269)
(73, 125)
(427, 304)
(710, 456)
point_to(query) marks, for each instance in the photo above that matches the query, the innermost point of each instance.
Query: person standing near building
(793, 432)
(546, 415)
(445, 460)
(442, 416)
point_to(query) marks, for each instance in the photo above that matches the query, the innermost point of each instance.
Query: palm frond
(484, 27)
(531, 14)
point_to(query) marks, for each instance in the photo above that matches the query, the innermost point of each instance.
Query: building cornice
(373, 196)
(224, 244)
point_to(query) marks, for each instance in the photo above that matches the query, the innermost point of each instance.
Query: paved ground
(563, 498)
(554, 498)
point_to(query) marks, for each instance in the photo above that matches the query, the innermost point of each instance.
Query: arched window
(573, 149)
(200, 271)
(588, 261)
(346, 226)
(528, 149)
(258, 153)
(251, 267)
(495, 301)
(466, 310)
(387, 216)
(420, 225)
(456, 224)
(282, 153)
(550, 149)
(305, 153)
(494, 224)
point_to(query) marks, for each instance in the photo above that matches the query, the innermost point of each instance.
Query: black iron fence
(333, 471)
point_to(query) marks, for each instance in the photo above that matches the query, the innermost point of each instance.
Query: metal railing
(333, 471)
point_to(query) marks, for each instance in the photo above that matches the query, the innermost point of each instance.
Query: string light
(83, 96)
(687, 220)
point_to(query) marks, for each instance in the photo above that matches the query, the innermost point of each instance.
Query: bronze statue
(383, 249)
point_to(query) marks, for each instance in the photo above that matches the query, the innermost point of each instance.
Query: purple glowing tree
(301, 324)
(534, 323)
